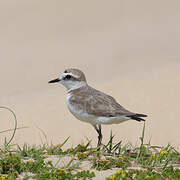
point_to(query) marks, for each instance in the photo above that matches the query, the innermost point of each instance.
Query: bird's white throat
(71, 85)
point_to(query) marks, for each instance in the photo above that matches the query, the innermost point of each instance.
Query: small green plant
(150, 173)
(11, 164)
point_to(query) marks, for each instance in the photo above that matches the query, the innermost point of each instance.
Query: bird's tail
(137, 117)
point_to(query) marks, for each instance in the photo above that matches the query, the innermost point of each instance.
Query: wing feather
(97, 103)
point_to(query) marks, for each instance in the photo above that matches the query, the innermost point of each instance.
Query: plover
(90, 105)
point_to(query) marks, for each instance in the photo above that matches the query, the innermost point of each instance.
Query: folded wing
(100, 104)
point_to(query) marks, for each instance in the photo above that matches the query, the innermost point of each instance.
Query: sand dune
(127, 49)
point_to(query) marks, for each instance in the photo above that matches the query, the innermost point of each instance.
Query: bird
(90, 105)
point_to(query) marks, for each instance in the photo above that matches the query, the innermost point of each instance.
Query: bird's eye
(65, 71)
(68, 76)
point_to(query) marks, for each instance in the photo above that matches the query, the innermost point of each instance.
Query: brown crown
(80, 76)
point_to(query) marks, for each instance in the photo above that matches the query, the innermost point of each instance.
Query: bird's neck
(76, 86)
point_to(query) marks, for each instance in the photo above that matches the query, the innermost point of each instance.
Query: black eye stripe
(68, 77)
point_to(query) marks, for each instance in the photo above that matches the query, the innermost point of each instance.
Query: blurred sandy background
(129, 49)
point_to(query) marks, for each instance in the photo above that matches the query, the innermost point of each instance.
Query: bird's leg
(99, 134)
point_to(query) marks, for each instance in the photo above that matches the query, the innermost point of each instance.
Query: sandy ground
(129, 49)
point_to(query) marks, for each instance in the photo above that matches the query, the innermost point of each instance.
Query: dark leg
(99, 134)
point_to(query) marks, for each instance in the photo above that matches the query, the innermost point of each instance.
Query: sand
(129, 49)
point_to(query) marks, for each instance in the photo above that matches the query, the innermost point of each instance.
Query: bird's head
(71, 79)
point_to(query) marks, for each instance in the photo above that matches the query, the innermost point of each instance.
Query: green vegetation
(144, 162)
(83, 161)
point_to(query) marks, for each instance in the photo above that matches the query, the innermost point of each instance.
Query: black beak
(54, 80)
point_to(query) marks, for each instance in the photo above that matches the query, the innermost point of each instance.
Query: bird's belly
(112, 120)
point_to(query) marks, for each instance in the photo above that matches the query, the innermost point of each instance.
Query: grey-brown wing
(100, 104)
